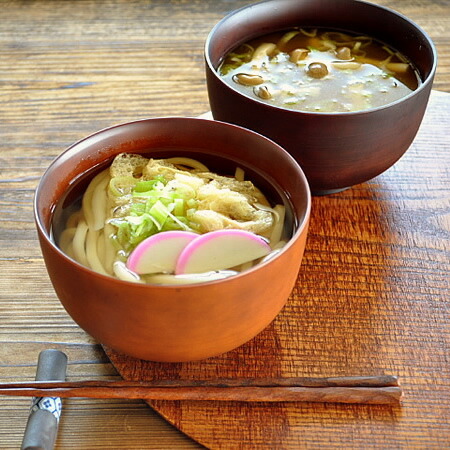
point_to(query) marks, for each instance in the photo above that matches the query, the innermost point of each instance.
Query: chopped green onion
(178, 209)
(159, 213)
(153, 206)
(143, 186)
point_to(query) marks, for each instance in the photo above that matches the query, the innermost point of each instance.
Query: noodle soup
(316, 70)
(162, 322)
(131, 216)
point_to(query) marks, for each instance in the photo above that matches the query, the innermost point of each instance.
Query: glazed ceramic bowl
(175, 323)
(335, 150)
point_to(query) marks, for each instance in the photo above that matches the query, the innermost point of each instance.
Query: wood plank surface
(70, 68)
(372, 298)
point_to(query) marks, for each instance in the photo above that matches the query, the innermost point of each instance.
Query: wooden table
(375, 279)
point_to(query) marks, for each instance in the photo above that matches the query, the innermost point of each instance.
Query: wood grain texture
(373, 295)
(353, 390)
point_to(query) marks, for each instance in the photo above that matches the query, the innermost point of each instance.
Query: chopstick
(383, 389)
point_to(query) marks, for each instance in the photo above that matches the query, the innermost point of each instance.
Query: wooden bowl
(335, 150)
(175, 323)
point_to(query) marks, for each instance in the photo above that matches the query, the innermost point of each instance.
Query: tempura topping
(152, 195)
(137, 199)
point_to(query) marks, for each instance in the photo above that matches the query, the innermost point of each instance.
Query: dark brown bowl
(176, 323)
(335, 150)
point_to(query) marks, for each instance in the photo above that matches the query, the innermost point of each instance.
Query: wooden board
(372, 298)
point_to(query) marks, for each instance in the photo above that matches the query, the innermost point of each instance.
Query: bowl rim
(46, 235)
(420, 88)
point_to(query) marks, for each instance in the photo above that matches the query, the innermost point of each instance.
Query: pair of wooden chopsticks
(371, 390)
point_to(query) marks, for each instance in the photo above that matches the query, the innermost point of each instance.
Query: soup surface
(145, 220)
(319, 71)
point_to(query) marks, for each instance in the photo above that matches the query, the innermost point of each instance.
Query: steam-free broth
(319, 71)
(145, 220)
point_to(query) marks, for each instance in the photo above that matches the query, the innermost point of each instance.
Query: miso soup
(318, 70)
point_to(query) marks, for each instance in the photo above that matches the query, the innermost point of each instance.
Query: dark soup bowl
(179, 322)
(336, 148)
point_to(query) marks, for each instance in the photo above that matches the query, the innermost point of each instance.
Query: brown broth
(319, 71)
(72, 201)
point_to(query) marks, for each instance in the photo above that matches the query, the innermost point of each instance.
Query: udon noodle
(137, 197)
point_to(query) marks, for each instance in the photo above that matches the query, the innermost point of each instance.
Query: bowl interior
(356, 16)
(222, 147)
